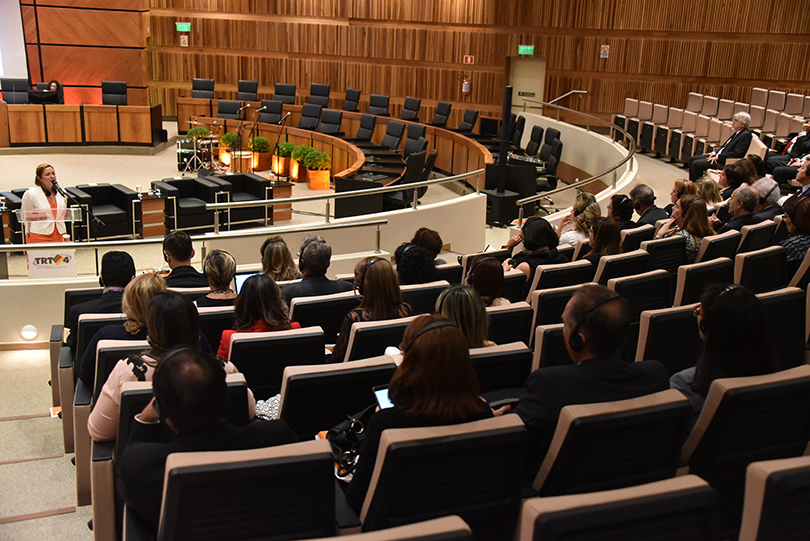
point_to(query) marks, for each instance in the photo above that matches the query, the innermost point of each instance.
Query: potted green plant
(298, 168)
(197, 133)
(317, 164)
(281, 160)
(261, 152)
(229, 141)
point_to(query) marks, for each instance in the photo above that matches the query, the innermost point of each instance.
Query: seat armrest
(122, 197)
(84, 394)
(167, 189)
(223, 184)
(206, 190)
(345, 517)
(81, 196)
(65, 358)
(255, 185)
(102, 450)
(12, 201)
(56, 333)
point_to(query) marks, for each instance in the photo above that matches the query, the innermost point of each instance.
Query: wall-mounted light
(29, 332)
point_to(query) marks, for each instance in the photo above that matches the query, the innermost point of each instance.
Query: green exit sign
(526, 50)
(183, 27)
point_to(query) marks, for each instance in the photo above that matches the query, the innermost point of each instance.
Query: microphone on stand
(281, 122)
(246, 106)
(257, 111)
(59, 189)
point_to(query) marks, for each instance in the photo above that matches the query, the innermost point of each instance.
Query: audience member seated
(604, 238)
(735, 147)
(783, 175)
(486, 278)
(708, 191)
(797, 220)
(178, 251)
(741, 207)
(171, 321)
(596, 322)
(414, 264)
(420, 393)
(732, 177)
(620, 210)
(277, 261)
(581, 217)
(756, 161)
(117, 269)
(679, 189)
(465, 309)
(431, 241)
(137, 295)
(803, 178)
(644, 202)
(259, 308)
(735, 338)
(381, 298)
(539, 248)
(191, 399)
(313, 262)
(219, 268)
(768, 206)
(690, 221)
(797, 146)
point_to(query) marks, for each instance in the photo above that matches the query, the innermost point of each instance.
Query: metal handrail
(631, 152)
(555, 100)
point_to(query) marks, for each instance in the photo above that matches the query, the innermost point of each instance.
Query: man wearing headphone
(313, 261)
(644, 202)
(596, 322)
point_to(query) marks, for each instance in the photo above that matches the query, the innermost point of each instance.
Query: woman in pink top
(171, 321)
(259, 308)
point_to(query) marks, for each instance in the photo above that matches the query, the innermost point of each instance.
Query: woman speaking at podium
(44, 209)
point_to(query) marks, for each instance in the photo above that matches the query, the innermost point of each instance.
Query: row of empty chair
(16, 91)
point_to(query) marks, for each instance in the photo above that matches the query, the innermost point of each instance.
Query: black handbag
(346, 438)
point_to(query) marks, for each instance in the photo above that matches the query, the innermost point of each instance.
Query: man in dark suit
(315, 258)
(178, 251)
(798, 145)
(191, 399)
(117, 269)
(741, 207)
(735, 147)
(768, 207)
(644, 202)
(596, 322)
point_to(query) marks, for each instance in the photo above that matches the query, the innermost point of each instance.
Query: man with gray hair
(643, 199)
(314, 258)
(741, 207)
(735, 147)
(768, 207)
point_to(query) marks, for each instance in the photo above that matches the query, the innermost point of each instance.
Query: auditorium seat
(442, 114)
(240, 187)
(414, 166)
(113, 92)
(449, 528)
(325, 311)
(548, 305)
(610, 445)
(761, 270)
(721, 245)
(330, 122)
(214, 320)
(645, 291)
(468, 122)
(410, 110)
(667, 254)
(186, 199)
(709, 107)
(467, 260)
(759, 97)
(689, 139)
(322, 395)
(663, 134)
(262, 356)
(366, 129)
(369, 339)
(549, 347)
(659, 117)
(714, 137)
(422, 297)
(678, 135)
(274, 110)
(504, 367)
(285, 93)
(378, 105)
(776, 504)
(756, 236)
(319, 94)
(229, 109)
(776, 100)
(110, 203)
(619, 265)
(517, 133)
(512, 287)
(15, 91)
(202, 88)
(680, 508)
(802, 276)
(630, 110)
(458, 454)
(741, 107)
(510, 323)
(725, 110)
(60, 95)
(757, 117)
(551, 135)
(785, 313)
(561, 275)
(693, 278)
(352, 101)
(247, 90)
(694, 102)
(633, 237)
(310, 116)
(669, 336)
(535, 141)
(734, 429)
(781, 232)
(645, 109)
(806, 110)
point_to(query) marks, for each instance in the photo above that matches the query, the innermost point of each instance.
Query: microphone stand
(280, 130)
(236, 157)
(253, 131)
(71, 199)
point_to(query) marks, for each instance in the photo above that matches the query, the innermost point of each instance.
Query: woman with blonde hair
(679, 189)
(376, 282)
(582, 214)
(708, 191)
(137, 295)
(219, 268)
(465, 309)
(277, 261)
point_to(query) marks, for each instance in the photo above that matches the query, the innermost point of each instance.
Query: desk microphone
(283, 119)
(244, 107)
(59, 189)
(261, 109)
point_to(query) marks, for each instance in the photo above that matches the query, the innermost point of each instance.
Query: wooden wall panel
(92, 27)
(29, 18)
(117, 5)
(91, 65)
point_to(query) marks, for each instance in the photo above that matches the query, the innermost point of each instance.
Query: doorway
(527, 77)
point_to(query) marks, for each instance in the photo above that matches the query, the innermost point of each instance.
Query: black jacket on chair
(737, 222)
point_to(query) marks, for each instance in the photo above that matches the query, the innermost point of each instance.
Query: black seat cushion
(243, 196)
(191, 205)
(110, 214)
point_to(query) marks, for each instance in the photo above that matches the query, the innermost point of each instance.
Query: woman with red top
(259, 308)
(44, 209)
